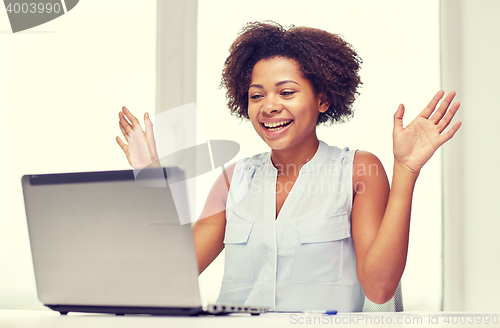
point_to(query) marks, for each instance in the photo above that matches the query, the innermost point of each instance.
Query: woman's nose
(271, 105)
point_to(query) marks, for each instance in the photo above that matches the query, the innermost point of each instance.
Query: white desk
(50, 319)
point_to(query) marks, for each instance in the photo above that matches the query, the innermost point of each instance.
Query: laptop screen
(107, 238)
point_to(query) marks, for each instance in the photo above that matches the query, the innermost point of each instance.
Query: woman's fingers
(432, 104)
(133, 120)
(449, 134)
(444, 114)
(124, 147)
(445, 121)
(398, 119)
(127, 120)
(438, 115)
(125, 134)
(150, 136)
(125, 123)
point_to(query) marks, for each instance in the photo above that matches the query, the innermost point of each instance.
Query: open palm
(141, 148)
(415, 144)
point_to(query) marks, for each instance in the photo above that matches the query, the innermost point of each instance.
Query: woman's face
(282, 104)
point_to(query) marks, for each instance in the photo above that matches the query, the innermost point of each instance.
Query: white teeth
(272, 125)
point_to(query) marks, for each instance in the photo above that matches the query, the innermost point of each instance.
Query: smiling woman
(329, 247)
(394, 69)
(309, 246)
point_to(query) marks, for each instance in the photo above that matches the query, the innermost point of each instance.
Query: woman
(308, 226)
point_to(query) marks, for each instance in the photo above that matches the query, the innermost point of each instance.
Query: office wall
(61, 87)
(399, 43)
(470, 48)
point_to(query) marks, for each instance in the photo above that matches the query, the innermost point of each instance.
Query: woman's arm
(380, 226)
(381, 218)
(210, 228)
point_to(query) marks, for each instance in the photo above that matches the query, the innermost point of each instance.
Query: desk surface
(46, 319)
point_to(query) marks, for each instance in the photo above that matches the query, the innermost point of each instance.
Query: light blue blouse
(303, 260)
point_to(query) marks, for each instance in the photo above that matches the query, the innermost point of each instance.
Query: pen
(327, 312)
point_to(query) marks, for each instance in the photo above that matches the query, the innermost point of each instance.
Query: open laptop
(105, 242)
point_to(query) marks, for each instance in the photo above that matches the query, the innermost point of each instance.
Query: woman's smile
(276, 128)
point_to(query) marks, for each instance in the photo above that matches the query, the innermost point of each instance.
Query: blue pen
(327, 312)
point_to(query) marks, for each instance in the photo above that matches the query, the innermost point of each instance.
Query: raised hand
(141, 148)
(416, 143)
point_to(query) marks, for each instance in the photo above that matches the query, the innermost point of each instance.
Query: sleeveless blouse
(304, 259)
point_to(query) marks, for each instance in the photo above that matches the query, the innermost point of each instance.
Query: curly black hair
(326, 60)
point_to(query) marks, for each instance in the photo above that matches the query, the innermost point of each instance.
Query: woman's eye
(255, 96)
(287, 93)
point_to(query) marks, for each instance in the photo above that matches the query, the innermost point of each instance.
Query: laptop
(112, 242)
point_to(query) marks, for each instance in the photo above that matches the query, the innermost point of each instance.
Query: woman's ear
(323, 103)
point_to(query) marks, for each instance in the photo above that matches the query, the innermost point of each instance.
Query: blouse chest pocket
(238, 265)
(320, 249)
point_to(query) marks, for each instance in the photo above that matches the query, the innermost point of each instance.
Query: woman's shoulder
(358, 157)
(367, 166)
(365, 157)
(335, 152)
(364, 163)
